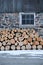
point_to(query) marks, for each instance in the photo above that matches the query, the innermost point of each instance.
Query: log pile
(20, 39)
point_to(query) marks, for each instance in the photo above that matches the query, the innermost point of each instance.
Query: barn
(21, 24)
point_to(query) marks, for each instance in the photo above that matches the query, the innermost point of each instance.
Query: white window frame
(20, 19)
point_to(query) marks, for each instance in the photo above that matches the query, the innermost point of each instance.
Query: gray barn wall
(21, 6)
(9, 11)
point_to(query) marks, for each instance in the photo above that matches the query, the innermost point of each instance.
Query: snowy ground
(21, 57)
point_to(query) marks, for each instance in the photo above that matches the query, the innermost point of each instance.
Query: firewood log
(18, 34)
(26, 36)
(15, 38)
(21, 39)
(28, 46)
(19, 30)
(39, 47)
(4, 32)
(31, 35)
(35, 43)
(41, 42)
(16, 44)
(0, 44)
(39, 39)
(15, 30)
(31, 43)
(12, 41)
(25, 42)
(5, 38)
(2, 48)
(20, 43)
(18, 47)
(4, 43)
(23, 48)
(10, 36)
(7, 47)
(24, 33)
(36, 35)
(29, 39)
(33, 31)
(34, 47)
(12, 47)
(34, 39)
(2, 39)
(8, 43)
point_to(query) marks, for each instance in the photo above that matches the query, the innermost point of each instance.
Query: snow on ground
(18, 52)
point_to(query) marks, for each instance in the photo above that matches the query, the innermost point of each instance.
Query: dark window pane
(32, 16)
(28, 22)
(27, 16)
(23, 16)
(23, 22)
(32, 21)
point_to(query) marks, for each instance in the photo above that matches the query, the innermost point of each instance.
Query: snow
(28, 52)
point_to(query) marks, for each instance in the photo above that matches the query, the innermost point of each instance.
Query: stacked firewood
(20, 39)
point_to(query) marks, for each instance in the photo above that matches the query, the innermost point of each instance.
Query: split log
(5, 38)
(24, 33)
(10, 36)
(20, 43)
(21, 39)
(18, 34)
(12, 41)
(28, 47)
(26, 36)
(25, 42)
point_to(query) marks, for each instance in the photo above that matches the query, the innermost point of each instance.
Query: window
(27, 18)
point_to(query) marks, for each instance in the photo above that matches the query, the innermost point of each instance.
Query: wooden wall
(21, 5)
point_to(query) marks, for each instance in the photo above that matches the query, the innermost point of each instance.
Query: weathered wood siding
(10, 5)
(21, 5)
